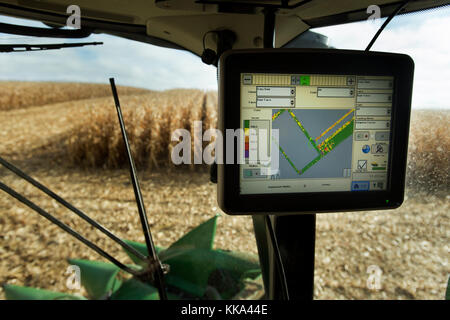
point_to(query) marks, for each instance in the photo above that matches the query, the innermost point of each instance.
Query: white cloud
(425, 41)
(423, 37)
(132, 63)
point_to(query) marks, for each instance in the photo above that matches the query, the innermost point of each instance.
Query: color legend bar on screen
(247, 139)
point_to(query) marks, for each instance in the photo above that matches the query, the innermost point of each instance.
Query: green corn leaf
(134, 289)
(140, 247)
(14, 292)
(98, 278)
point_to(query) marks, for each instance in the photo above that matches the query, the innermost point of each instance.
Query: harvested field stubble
(409, 244)
(64, 145)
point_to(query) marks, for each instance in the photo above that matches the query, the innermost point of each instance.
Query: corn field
(63, 142)
(150, 120)
(16, 95)
(93, 139)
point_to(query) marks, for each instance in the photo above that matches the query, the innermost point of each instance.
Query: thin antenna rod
(66, 228)
(159, 274)
(72, 208)
(393, 14)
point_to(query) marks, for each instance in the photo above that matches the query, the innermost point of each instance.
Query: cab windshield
(59, 125)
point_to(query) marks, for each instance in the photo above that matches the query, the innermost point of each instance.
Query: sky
(423, 36)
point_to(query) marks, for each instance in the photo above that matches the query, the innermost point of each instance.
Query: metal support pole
(296, 237)
(295, 234)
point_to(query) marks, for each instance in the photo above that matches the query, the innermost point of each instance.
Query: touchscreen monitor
(313, 130)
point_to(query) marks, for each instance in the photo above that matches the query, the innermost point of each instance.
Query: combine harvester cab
(273, 73)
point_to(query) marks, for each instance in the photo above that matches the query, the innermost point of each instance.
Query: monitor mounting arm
(295, 234)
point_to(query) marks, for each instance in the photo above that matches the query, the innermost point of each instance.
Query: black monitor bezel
(314, 61)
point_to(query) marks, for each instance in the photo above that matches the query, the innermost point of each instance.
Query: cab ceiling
(182, 23)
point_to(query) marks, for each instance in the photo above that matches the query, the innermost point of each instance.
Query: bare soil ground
(410, 245)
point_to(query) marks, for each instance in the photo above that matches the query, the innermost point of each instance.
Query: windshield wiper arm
(42, 47)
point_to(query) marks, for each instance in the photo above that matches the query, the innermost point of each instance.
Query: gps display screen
(314, 133)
